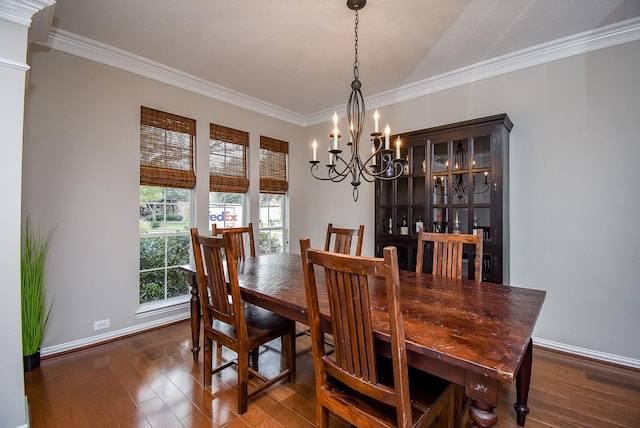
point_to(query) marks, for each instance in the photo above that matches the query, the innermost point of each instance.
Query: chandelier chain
(381, 164)
(356, 64)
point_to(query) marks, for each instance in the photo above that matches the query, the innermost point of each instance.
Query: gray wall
(574, 191)
(81, 175)
(573, 194)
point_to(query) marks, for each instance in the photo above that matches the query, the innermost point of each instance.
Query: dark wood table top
(458, 325)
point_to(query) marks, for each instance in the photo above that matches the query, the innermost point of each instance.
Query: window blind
(273, 165)
(166, 149)
(228, 159)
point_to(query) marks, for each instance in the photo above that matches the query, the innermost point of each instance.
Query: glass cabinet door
(481, 169)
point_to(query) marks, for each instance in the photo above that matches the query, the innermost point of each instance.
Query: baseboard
(117, 334)
(588, 353)
(110, 336)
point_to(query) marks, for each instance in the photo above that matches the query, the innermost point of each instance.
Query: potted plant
(35, 310)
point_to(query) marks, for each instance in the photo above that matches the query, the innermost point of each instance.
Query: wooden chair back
(220, 297)
(238, 239)
(447, 253)
(342, 239)
(226, 321)
(353, 362)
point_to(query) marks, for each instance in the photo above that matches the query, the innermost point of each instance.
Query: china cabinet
(455, 181)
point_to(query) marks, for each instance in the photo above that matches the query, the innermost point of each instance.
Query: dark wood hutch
(456, 179)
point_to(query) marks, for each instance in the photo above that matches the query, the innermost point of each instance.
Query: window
(164, 242)
(166, 182)
(272, 214)
(273, 192)
(228, 182)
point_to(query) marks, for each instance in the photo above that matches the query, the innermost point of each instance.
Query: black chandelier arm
(348, 166)
(330, 177)
(386, 162)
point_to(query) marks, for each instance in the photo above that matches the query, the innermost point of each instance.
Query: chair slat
(342, 239)
(448, 250)
(238, 239)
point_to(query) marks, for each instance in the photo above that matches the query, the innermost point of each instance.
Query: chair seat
(262, 325)
(426, 392)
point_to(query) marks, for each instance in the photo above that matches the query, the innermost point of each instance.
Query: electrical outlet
(99, 325)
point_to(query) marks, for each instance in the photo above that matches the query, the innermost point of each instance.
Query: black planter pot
(31, 362)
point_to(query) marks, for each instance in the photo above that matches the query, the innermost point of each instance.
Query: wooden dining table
(477, 335)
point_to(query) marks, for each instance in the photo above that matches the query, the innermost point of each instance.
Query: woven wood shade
(228, 159)
(273, 165)
(166, 149)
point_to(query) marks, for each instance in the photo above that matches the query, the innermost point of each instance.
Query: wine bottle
(404, 227)
(456, 224)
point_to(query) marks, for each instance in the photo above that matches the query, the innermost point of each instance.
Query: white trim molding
(611, 35)
(112, 335)
(603, 37)
(588, 353)
(105, 54)
(21, 11)
(8, 63)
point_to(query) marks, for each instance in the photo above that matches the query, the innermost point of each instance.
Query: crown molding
(21, 11)
(608, 36)
(603, 37)
(105, 54)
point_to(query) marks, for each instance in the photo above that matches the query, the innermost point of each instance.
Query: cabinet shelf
(469, 162)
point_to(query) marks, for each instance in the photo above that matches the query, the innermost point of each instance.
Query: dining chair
(342, 239)
(342, 243)
(240, 248)
(447, 253)
(238, 239)
(229, 323)
(353, 382)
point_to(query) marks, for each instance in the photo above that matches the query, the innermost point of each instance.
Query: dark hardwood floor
(150, 380)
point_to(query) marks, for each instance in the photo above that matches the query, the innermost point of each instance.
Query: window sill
(163, 306)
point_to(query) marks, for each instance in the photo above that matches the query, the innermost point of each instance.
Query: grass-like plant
(35, 311)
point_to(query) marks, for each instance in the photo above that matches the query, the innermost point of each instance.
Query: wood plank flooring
(150, 380)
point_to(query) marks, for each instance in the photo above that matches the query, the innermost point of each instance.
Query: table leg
(195, 316)
(523, 380)
(483, 393)
(482, 416)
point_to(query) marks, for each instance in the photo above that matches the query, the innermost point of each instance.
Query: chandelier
(458, 186)
(382, 163)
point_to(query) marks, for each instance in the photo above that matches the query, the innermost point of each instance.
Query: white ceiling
(297, 55)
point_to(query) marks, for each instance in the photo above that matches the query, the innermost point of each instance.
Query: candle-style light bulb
(398, 148)
(387, 131)
(376, 116)
(335, 131)
(315, 150)
(373, 159)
